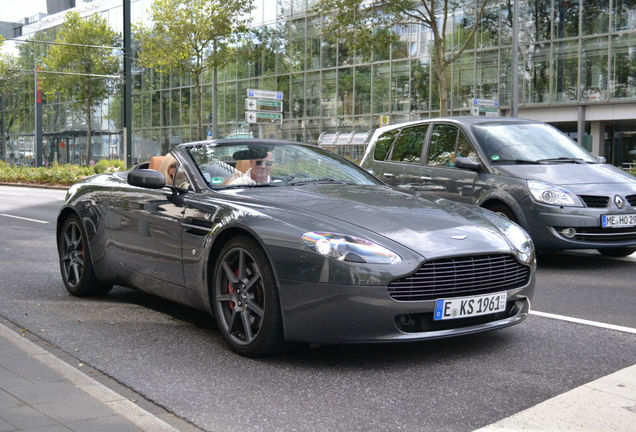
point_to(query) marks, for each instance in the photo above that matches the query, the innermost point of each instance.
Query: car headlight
(347, 248)
(550, 194)
(520, 240)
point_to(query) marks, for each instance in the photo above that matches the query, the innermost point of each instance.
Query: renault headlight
(550, 194)
(347, 248)
(520, 240)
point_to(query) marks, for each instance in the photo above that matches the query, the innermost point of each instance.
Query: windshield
(528, 143)
(261, 163)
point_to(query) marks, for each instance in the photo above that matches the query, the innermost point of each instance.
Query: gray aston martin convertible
(283, 241)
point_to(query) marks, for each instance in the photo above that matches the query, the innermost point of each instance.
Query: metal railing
(350, 145)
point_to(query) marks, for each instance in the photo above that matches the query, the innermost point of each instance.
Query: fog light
(405, 320)
(569, 232)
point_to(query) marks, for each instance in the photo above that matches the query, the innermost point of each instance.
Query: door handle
(387, 175)
(426, 178)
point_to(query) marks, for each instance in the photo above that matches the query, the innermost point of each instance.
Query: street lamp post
(514, 106)
(127, 102)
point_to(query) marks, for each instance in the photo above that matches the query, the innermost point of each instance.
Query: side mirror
(466, 163)
(601, 159)
(146, 178)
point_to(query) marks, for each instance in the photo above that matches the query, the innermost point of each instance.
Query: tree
(193, 36)
(11, 83)
(4, 67)
(356, 24)
(7, 71)
(84, 52)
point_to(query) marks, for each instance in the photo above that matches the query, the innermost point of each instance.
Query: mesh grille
(595, 201)
(461, 276)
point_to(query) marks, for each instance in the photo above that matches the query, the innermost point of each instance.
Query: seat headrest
(155, 163)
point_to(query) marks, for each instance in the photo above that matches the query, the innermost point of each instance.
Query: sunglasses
(267, 163)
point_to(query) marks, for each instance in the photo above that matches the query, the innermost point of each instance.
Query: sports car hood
(568, 174)
(429, 226)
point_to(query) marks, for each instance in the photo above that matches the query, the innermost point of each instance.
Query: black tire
(245, 299)
(75, 261)
(617, 252)
(503, 210)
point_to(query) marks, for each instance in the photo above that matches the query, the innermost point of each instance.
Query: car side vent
(461, 276)
(631, 199)
(595, 201)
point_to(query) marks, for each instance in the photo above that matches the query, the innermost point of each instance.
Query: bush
(105, 165)
(55, 174)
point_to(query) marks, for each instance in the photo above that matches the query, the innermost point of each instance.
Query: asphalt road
(175, 356)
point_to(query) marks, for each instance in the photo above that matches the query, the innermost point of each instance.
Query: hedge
(55, 174)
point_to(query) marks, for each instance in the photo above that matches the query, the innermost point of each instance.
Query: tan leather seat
(243, 165)
(155, 163)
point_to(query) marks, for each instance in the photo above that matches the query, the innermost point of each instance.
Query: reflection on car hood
(422, 225)
(564, 174)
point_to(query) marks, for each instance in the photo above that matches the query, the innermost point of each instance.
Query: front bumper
(546, 225)
(329, 313)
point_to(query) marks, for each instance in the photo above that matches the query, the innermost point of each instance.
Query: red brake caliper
(230, 290)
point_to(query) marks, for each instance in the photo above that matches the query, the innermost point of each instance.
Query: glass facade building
(577, 71)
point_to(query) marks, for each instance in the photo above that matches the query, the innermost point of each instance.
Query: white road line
(586, 322)
(605, 404)
(24, 218)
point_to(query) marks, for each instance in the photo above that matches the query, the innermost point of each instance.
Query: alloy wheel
(72, 249)
(240, 296)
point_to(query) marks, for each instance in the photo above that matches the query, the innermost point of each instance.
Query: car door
(403, 165)
(448, 142)
(146, 233)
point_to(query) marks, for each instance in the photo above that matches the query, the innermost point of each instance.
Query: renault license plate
(464, 307)
(618, 220)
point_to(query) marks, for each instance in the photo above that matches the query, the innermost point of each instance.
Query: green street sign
(263, 105)
(263, 117)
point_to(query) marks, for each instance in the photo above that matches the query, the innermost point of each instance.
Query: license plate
(464, 307)
(618, 220)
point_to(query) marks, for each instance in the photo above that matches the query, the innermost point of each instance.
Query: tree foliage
(193, 36)
(84, 52)
(356, 24)
(6, 63)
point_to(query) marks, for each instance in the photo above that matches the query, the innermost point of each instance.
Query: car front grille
(603, 234)
(461, 276)
(595, 201)
(631, 199)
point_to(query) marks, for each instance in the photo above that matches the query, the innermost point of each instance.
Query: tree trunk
(88, 132)
(197, 83)
(442, 83)
(215, 102)
(439, 69)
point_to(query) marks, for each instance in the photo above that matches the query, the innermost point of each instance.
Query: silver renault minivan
(525, 170)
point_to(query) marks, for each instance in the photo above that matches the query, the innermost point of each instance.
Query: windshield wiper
(516, 161)
(562, 159)
(319, 180)
(254, 185)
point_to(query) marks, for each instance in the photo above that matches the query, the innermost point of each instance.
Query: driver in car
(259, 171)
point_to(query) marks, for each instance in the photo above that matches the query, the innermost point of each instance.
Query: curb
(122, 406)
(36, 185)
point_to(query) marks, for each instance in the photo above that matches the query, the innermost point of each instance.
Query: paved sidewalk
(41, 393)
